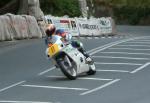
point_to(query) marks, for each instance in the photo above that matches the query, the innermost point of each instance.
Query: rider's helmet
(50, 29)
(63, 34)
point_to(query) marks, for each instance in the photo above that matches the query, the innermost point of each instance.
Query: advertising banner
(68, 24)
(105, 25)
(83, 26)
(88, 27)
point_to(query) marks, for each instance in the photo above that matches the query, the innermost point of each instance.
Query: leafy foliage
(128, 11)
(61, 7)
(124, 11)
(132, 11)
(4, 2)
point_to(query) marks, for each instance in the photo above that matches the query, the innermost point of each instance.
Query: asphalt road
(122, 63)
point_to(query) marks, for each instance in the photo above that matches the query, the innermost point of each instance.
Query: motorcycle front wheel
(67, 67)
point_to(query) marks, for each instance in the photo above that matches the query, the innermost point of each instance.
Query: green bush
(4, 2)
(61, 7)
(130, 15)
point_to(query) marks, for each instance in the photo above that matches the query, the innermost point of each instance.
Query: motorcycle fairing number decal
(53, 49)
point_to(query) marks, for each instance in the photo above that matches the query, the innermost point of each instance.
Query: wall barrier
(18, 27)
(23, 26)
(83, 26)
(68, 24)
(6, 31)
(33, 28)
(88, 27)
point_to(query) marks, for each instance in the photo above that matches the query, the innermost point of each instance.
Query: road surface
(122, 63)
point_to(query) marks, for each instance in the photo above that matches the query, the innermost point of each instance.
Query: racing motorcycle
(69, 59)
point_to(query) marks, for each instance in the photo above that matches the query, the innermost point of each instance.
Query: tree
(10, 6)
(60, 7)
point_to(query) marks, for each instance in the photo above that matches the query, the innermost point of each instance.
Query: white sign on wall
(88, 27)
(105, 25)
(82, 26)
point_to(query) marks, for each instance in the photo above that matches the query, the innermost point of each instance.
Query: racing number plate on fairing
(53, 49)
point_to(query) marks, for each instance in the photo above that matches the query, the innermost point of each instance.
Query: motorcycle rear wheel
(92, 68)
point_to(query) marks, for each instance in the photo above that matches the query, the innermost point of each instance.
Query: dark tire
(67, 67)
(92, 68)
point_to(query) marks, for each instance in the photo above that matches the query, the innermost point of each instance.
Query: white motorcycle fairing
(69, 59)
(77, 57)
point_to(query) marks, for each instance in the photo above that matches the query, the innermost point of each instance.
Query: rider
(66, 38)
(50, 30)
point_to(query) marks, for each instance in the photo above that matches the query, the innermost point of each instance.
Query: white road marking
(128, 49)
(121, 71)
(50, 69)
(54, 87)
(103, 63)
(96, 37)
(98, 48)
(95, 50)
(103, 37)
(53, 76)
(121, 57)
(140, 68)
(8, 101)
(139, 42)
(89, 38)
(101, 87)
(134, 45)
(143, 40)
(101, 48)
(100, 79)
(84, 78)
(125, 53)
(1, 90)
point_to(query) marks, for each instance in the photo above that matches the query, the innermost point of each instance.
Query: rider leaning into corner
(66, 38)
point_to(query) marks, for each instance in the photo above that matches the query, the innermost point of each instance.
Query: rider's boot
(88, 59)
